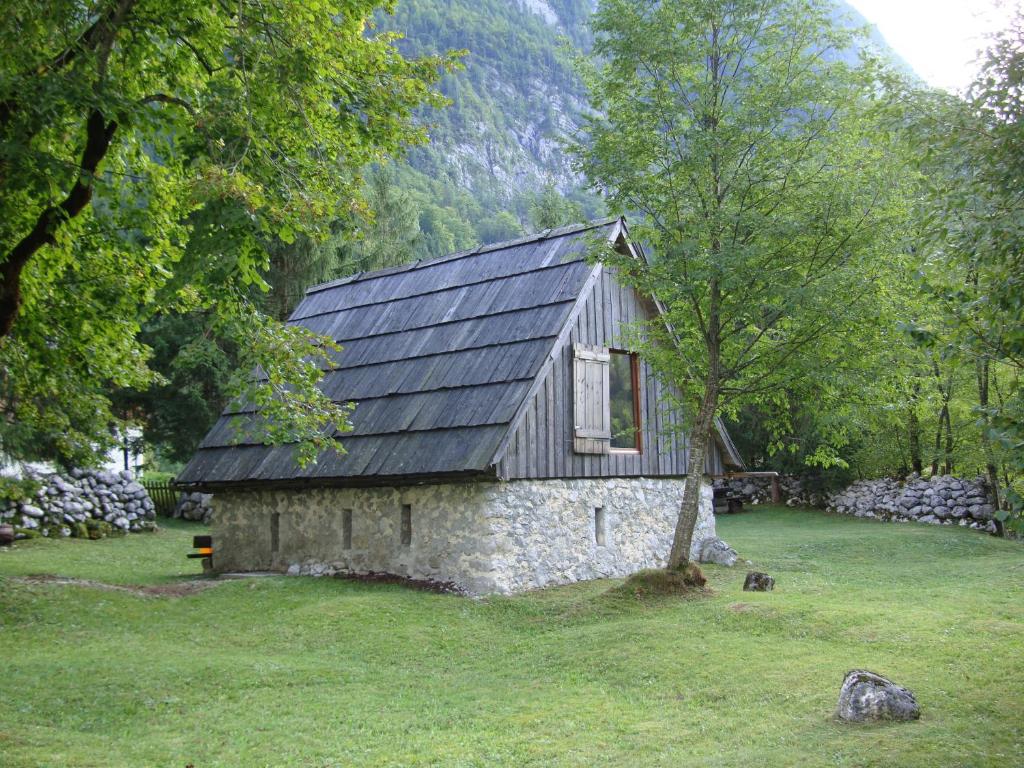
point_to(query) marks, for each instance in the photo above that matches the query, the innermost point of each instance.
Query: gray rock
(31, 511)
(714, 550)
(758, 582)
(984, 512)
(867, 696)
(294, 569)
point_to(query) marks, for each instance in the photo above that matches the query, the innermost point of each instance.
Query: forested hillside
(498, 144)
(496, 148)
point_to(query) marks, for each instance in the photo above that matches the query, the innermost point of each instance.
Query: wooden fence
(164, 496)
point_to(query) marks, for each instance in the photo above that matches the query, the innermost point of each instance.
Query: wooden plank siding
(543, 443)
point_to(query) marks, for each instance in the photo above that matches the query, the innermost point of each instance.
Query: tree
(149, 151)
(972, 150)
(549, 209)
(388, 236)
(744, 138)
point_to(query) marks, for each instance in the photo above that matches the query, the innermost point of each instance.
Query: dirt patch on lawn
(174, 589)
(425, 585)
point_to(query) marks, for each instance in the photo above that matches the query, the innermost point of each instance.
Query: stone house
(503, 439)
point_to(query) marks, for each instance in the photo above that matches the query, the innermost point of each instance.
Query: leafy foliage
(149, 151)
(973, 153)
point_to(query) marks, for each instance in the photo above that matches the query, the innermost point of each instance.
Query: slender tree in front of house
(745, 138)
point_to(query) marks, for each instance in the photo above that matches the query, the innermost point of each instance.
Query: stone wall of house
(479, 537)
(939, 500)
(548, 534)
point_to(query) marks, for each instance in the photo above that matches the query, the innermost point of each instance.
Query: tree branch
(163, 98)
(99, 134)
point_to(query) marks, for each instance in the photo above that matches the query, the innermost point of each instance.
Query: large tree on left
(149, 150)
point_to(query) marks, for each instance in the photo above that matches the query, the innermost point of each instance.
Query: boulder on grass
(867, 696)
(714, 550)
(758, 582)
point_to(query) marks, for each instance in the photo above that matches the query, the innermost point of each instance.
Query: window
(275, 532)
(606, 400)
(624, 401)
(599, 531)
(346, 529)
(406, 525)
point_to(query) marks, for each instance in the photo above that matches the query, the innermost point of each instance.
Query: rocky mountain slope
(498, 144)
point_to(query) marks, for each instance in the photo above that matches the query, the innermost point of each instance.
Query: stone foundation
(481, 537)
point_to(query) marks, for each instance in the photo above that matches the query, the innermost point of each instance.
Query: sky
(938, 38)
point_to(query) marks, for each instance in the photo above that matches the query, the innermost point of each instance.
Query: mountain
(496, 148)
(516, 95)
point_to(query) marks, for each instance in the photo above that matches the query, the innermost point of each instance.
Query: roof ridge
(546, 234)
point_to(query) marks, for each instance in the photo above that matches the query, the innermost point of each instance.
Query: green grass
(304, 672)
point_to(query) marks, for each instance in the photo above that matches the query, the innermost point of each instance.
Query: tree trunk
(944, 428)
(689, 509)
(947, 463)
(938, 445)
(914, 430)
(991, 471)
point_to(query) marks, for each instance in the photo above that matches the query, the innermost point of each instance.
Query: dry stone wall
(758, 490)
(939, 500)
(480, 537)
(83, 503)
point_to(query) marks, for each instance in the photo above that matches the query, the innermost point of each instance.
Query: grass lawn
(305, 672)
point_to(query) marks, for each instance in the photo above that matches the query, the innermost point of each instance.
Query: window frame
(634, 371)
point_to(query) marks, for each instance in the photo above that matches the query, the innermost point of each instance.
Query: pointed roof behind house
(439, 355)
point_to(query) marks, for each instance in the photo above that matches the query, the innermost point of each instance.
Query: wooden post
(776, 491)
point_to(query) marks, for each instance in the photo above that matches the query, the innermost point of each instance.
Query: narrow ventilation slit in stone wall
(599, 533)
(406, 525)
(275, 532)
(346, 529)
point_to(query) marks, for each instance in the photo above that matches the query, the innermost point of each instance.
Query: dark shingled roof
(439, 355)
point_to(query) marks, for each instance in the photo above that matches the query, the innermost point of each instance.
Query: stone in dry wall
(481, 537)
(939, 500)
(194, 506)
(84, 503)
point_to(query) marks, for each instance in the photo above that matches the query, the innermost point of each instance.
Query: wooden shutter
(592, 417)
